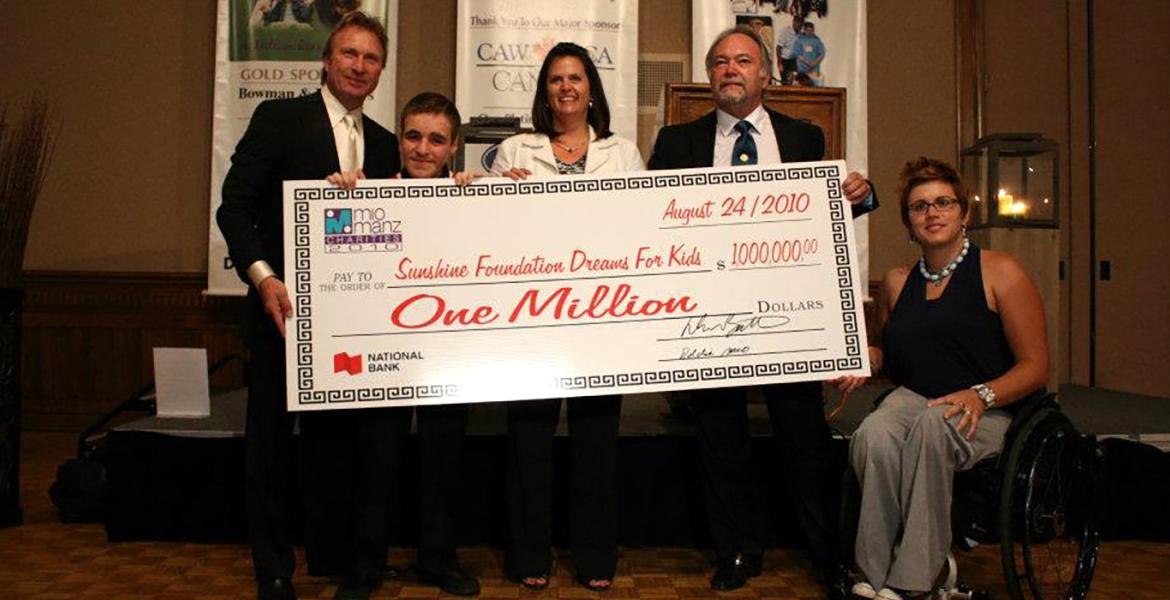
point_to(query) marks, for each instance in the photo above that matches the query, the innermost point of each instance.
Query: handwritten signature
(732, 324)
(696, 353)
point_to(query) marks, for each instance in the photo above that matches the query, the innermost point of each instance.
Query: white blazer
(533, 151)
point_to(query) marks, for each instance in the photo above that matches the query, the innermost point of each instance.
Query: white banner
(268, 49)
(834, 55)
(500, 45)
(421, 292)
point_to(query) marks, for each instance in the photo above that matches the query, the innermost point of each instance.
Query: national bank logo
(361, 230)
(343, 362)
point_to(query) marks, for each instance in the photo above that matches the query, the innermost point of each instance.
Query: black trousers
(344, 460)
(270, 456)
(734, 507)
(440, 445)
(351, 458)
(593, 431)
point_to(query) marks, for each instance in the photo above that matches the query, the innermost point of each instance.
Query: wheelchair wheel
(1047, 518)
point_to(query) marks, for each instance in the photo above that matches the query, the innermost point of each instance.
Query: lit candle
(1010, 207)
(1006, 203)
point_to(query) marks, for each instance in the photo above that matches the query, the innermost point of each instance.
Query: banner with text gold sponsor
(500, 45)
(267, 49)
(422, 292)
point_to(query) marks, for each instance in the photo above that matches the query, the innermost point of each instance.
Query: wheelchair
(1038, 500)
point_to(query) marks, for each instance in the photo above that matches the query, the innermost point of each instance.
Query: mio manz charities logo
(361, 230)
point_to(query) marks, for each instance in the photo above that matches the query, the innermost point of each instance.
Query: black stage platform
(182, 479)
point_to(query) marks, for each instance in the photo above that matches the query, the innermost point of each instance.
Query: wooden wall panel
(1133, 149)
(912, 111)
(89, 338)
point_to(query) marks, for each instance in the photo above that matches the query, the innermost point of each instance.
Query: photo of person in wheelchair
(962, 336)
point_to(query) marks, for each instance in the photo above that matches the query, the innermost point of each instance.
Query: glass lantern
(1012, 179)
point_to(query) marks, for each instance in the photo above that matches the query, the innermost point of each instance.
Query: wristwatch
(986, 394)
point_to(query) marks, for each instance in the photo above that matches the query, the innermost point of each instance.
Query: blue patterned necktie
(744, 152)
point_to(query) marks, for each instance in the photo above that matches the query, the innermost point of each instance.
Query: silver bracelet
(986, 395)
(259, 271)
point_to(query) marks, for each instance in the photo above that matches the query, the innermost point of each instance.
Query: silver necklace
(936, 278)
(569, 149)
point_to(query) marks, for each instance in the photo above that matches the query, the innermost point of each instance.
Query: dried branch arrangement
(26, 148)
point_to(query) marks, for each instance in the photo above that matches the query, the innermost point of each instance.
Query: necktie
(744, 152)
(349, 161)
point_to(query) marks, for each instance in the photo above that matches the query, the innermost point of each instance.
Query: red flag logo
(347, 363)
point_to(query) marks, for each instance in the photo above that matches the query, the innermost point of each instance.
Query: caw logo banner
(502, 43)
(350, 230)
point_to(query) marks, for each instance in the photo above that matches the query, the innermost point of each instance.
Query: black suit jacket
(692, 145)
(287, 139)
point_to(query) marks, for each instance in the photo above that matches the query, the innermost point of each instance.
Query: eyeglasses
(942, 204)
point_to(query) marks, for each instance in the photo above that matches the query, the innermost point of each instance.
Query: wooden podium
(823, 107)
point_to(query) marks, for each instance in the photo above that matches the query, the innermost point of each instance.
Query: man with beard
(743, 132)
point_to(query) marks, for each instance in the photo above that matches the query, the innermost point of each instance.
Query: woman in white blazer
(571, 119)
(535, 153)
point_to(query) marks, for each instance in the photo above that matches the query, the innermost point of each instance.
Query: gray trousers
(905, 456)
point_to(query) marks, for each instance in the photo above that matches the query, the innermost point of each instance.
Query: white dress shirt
(767, 148)
(337, 113)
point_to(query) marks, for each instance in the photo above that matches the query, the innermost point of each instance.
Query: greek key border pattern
(306, 395)
(568, 186)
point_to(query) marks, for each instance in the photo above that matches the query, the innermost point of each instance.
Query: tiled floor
(45, 559)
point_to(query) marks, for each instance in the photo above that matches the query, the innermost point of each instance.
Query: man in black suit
(349, 454)
(743, 132)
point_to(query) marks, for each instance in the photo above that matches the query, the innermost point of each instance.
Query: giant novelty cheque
(421, 292)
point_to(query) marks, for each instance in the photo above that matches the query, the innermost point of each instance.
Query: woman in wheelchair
(962, 336)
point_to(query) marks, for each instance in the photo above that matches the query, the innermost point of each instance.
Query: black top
(936, 347)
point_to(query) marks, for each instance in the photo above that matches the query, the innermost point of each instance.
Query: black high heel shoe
(535, 582)
(589, 583)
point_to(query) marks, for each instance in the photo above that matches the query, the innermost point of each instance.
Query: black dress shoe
(453, 580)
(733, 571)
(356, 589)
(275, 589)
